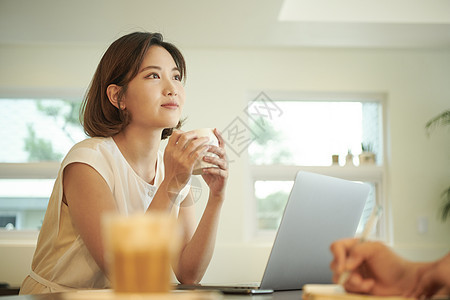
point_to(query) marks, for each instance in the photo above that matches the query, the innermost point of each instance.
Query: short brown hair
(119, 65)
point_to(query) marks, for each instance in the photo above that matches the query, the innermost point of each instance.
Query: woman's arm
(88, 197)
(197, 247)
(198, 250)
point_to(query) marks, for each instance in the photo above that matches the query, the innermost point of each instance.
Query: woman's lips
(170, 105)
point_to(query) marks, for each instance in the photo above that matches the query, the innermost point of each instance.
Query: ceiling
(230, 23)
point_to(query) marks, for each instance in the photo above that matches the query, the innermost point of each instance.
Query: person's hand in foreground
(432, 279)
(374, 268)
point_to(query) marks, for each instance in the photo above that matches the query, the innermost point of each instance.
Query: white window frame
(35, 170)
(376, 174)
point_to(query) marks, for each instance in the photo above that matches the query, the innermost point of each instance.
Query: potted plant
(441, 120)
(367, 156)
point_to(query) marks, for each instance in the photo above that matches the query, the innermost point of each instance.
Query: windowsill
(37, 170)
(281, 172)
(18, 237)
(262, 238)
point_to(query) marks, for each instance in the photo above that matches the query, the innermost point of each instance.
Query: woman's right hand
(180, 155)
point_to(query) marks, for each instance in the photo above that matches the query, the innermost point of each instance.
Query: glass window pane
(309, 133)
(271, 198)
(23, 202)
(38, 130)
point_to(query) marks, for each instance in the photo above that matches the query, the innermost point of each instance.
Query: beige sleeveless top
(61, 261)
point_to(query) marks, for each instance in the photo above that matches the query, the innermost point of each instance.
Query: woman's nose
(170, 89)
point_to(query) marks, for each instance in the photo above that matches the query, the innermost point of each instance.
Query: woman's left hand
(216, 177)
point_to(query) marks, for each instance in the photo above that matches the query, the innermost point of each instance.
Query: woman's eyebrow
(157, 68)
(150, 67)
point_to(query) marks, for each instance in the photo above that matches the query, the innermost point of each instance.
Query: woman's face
(155, 96)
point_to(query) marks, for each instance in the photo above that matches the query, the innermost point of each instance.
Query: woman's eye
(153, 76)
(177, 77)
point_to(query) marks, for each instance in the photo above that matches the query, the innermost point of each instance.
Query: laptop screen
(320, 210)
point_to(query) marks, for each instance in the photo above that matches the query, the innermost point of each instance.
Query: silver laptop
(320, 210)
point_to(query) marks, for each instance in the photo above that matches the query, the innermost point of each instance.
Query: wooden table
(287, 295)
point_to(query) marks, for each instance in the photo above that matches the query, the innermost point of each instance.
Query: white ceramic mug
(200, 163)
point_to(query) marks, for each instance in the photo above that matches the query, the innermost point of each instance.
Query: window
(303, 132)
(36, 135)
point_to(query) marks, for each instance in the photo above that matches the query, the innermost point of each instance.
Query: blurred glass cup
(139, 250)
(200, 163)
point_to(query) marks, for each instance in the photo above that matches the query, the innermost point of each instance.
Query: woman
(135, 99)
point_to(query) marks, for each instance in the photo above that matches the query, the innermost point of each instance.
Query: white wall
(218, 86)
